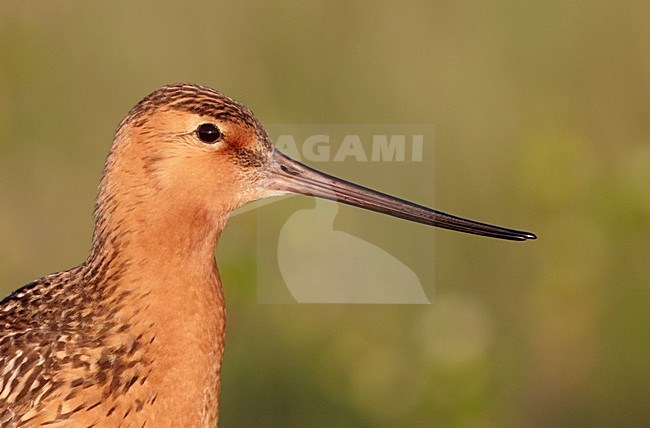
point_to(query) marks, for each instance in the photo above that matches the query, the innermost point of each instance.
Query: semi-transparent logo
(318, 251)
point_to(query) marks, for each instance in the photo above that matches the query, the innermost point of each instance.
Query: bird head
(191, 155)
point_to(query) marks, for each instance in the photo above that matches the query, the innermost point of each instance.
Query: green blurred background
(542, 115)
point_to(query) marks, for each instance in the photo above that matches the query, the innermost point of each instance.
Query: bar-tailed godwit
(134, 336)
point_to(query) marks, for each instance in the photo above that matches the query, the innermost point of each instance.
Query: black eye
(208, 133)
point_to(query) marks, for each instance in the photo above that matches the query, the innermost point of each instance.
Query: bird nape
(135, 334)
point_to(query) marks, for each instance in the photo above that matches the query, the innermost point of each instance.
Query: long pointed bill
(289, 176)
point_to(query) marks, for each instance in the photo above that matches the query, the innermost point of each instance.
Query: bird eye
(208, 133)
